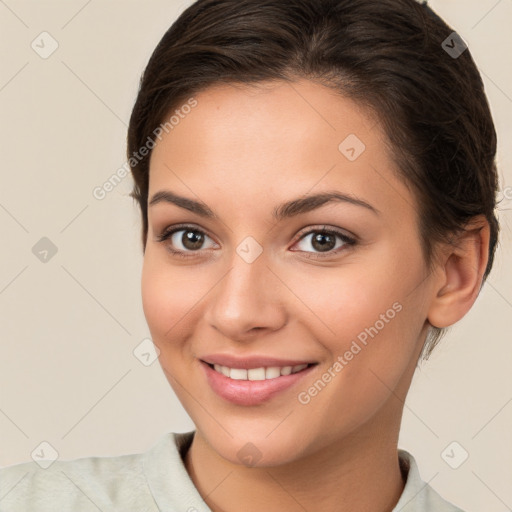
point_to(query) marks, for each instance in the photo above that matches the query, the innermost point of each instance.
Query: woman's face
(268, 276)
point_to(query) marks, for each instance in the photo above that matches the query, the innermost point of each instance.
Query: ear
(460, 272)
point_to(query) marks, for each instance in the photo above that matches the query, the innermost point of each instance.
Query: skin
(243, 151)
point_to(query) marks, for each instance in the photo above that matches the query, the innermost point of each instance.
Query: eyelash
(348, 241)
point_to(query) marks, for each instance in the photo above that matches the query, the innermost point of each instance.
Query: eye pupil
(323, 242)
(192, 240)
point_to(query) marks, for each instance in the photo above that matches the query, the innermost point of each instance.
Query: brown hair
(386, 55)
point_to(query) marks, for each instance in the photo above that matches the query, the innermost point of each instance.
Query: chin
(259, 452)
(256, 447)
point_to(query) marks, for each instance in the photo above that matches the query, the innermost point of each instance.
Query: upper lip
(249, 362)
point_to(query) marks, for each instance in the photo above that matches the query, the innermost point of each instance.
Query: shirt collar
(173, 489)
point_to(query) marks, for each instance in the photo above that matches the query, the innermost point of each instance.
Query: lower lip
(251, 392)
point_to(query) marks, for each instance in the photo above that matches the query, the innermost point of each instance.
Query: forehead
(277, 139)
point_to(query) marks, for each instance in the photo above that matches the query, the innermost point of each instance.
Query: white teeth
(238, 374)
(222, 369)
(271, 372)
(256, 374)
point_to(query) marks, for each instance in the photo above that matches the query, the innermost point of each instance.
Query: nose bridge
(248, 296)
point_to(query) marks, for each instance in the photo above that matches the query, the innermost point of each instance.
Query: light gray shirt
(154, 481)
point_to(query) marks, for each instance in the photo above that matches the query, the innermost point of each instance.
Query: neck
(358, 473)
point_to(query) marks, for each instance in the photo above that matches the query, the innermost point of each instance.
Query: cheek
(168, 300)
(348, 300)
(366, 315)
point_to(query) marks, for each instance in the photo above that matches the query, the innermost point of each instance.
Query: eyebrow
(283, 211)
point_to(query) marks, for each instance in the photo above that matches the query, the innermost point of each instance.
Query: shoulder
(90, 483)
(80, 485)
(419, 496)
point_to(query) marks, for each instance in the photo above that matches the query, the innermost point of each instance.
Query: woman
(317, 187)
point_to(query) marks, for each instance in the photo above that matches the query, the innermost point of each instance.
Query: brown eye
(324, 241)
(192, 240)
(186, 239)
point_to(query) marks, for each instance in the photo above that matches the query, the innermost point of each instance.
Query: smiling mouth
(262, 373)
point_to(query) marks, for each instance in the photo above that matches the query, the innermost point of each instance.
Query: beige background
(68, 375)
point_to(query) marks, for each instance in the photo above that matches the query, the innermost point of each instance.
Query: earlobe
(460, 275)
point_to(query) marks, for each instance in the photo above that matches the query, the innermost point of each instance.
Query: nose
(248, 300)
